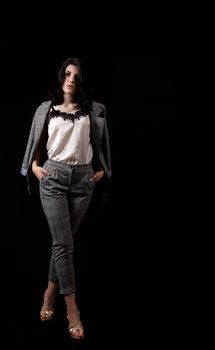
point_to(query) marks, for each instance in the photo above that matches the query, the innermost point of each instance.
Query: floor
(137, 285)
(109, 317)
(21, 326)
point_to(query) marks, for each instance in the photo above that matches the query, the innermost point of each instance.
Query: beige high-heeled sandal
(76, 329)
(46, 312)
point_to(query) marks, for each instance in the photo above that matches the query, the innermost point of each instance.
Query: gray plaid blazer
(99, 135)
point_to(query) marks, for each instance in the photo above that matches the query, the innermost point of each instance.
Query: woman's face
(71, 82)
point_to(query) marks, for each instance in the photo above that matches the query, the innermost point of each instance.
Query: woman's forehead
(72, 68)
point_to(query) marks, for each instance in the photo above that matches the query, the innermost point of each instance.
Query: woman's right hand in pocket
(38, 171)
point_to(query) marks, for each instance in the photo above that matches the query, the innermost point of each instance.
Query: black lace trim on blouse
(54, 113)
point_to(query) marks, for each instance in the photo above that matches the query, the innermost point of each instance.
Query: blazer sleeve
(30, 142)
(36, 130)
(106, 146)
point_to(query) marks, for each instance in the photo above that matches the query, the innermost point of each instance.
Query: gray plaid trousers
(65, 196)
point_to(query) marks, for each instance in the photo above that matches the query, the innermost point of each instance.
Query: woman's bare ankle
(49, 295)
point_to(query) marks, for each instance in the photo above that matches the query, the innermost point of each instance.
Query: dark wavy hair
(83, 95)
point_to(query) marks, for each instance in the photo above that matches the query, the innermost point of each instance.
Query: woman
(72, 130)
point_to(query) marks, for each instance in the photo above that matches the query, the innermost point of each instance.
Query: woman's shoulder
(43, 105)
(46, 103)
(98, 105)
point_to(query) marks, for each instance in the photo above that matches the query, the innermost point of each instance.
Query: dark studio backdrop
(147, 253)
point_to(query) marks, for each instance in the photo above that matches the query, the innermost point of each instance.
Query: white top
(69, 141)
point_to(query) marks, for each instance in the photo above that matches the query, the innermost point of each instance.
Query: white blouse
(69, 140)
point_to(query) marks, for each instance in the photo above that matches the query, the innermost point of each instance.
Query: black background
(145, 260)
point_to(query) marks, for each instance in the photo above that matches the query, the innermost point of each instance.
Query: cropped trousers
(65, 195)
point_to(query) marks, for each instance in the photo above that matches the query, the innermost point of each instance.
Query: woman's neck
(68, 100)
